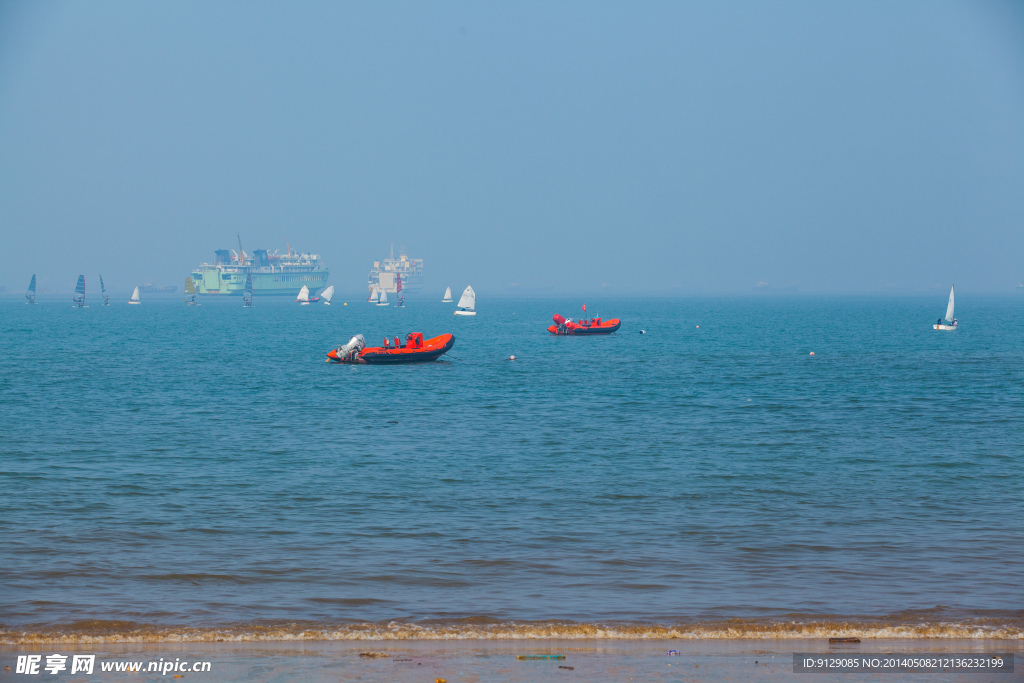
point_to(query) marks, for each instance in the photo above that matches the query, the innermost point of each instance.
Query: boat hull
(949, 328)
(465, 312)
(606, 327)
(431, 350)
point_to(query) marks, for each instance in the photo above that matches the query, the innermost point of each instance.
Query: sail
(103, 292)
(31, 293)
(327, 294)
(398, 285)
(949, 307)
(135, 295)
(190, 287)
(374, 295)
(468, 300)
(247, 292)
(447, 294)
(79, 297)
(383, 296)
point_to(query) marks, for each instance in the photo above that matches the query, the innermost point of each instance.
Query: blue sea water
(203, 467)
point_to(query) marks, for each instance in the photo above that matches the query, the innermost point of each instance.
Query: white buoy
(511, 357)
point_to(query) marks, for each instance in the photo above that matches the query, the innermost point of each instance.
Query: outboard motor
(352, 349)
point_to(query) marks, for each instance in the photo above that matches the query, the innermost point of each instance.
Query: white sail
(447, 295)
(383, 298)
(374, 296)
(468, 300)
(135, 297)
(327, 294)
(303, 294)
(949, 307)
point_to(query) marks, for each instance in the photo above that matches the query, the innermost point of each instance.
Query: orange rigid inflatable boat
(414, 350)
(592, 326)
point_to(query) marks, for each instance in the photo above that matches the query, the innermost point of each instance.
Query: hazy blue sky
(619, 147)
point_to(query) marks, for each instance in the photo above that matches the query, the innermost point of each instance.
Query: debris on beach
(374, 654)
(832, 641)
(540, 656)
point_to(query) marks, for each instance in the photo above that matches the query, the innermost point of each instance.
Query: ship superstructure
(272, 273)
(384, 275)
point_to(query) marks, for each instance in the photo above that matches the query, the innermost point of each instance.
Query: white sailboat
(31, 293)
(303, 297)
(447, 295)
(135, 297)
(327, 295)
(467, 304)
(103, 292)
(950, 323)
(374, 295)
(383, 298)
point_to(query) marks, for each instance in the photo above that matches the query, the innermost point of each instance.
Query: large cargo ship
(384, 275)
(272, 273)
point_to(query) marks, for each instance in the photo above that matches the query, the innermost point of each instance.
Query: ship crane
(241, 252)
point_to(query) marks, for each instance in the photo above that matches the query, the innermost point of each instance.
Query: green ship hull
(272, 274)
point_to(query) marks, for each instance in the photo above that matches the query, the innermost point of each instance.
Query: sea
(745, 467)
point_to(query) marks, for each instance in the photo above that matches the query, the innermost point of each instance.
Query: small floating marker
(812, 353)
(643, 331)
(833, 641)
(345, 304)
(698, 327)
(673, 653)
(442, 680)
(511, 357)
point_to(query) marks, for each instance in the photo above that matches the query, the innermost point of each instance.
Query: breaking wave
(485, 629)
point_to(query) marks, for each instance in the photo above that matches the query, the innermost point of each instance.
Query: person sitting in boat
(955, 322)
(939, 321)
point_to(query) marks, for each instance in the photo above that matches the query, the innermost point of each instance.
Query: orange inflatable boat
(414, 350)
(591, 326)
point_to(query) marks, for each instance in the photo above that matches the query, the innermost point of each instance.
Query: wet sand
(467, 661)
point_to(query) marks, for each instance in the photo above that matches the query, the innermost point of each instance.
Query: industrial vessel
(385, 274)
(272, 273)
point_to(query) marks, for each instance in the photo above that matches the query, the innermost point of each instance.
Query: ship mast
(241, 252)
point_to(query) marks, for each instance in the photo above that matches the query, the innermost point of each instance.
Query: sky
(526, 148)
